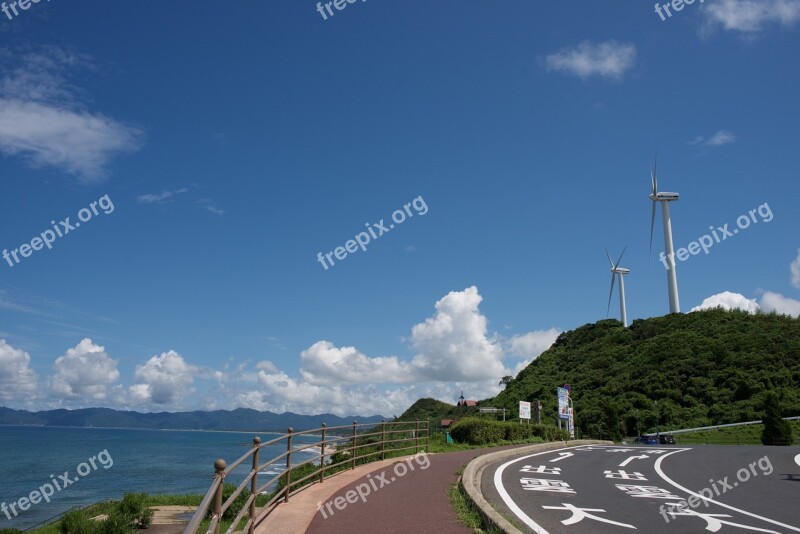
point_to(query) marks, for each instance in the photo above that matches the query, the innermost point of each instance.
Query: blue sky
(237, 141)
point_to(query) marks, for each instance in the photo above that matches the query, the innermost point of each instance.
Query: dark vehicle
(647, 439)
(667, 439)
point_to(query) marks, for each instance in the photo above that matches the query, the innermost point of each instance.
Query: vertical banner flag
(563, 404)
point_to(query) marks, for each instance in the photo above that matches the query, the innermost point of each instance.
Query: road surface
(599, 489)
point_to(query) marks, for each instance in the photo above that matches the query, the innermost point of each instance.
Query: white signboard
(524, 410)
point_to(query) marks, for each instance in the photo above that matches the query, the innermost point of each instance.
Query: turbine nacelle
(664, 197)
(620, 270)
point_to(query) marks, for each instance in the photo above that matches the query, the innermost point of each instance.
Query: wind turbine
(616, 270)
(665, 199)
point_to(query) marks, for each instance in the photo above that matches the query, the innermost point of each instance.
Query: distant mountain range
(240, 419)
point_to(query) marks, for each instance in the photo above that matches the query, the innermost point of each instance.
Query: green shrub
(79, 522)
(516, 432)
(478, 431)
(10, 531)
(134, 509)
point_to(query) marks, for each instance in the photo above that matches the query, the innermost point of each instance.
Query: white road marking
(690, 492)
(797, 459)
(632, 458)
(562, 456)
(498, 484)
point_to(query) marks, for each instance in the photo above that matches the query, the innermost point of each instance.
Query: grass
(439, 444)
(736, 435)
(468, 514)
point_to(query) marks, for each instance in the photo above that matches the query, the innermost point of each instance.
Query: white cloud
(720, 138)
(159, 198)
(18, 382)
(728, 301)
(323, 363)
(42, 121)
(531, 345)
(609, 59)
(163, 380)
(85, 372)
(795, 268)
(778, 303)
(453, 344)
(751, 16)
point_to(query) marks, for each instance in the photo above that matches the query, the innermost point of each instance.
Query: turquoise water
(153, 461)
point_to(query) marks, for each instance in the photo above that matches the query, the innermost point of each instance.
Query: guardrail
(378, 443)
(714, 427)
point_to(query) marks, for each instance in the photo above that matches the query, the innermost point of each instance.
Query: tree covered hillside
(702, 368)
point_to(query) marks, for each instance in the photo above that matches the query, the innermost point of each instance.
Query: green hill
(702, 368)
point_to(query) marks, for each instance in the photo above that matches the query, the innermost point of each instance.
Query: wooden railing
(379, 441)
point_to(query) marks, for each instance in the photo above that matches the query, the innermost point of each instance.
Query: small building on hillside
(447, 423)
(462, 403)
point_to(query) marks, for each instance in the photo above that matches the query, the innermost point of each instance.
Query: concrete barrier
(471, 479)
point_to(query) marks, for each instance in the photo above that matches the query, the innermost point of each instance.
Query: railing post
(416, 437)
(383, 439)
(254, 485)
(219, 468)
(353, 451)
(288, 465)
(428, 431)
(322, 457)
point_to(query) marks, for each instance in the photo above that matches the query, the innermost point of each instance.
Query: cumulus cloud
(163, 380)
(85, 372)
(531, 345)
(728, 301)
(609, 59)
(453, 344)
(795, 269)
(323, 363)
(43, 121)
(17, 380)
(779, 304)
(751, 16)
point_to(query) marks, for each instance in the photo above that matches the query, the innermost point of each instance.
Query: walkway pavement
(405, 500)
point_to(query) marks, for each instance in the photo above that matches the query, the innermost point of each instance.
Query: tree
(505, 381)
(776, 430)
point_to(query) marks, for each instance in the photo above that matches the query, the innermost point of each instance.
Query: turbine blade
(652, 224)
(655, 175)
(608, 308)
(609, 259)
(620, 256)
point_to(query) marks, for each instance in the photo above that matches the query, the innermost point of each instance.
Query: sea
(173, 462)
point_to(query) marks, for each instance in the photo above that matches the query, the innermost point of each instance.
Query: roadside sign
(524, 410)
(563, 403)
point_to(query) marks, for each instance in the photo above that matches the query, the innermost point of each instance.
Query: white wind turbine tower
(665, 199)
(616, 270)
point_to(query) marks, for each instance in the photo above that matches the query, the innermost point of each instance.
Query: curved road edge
(471, 479)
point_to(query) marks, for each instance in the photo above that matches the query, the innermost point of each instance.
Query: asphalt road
(599, 489)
